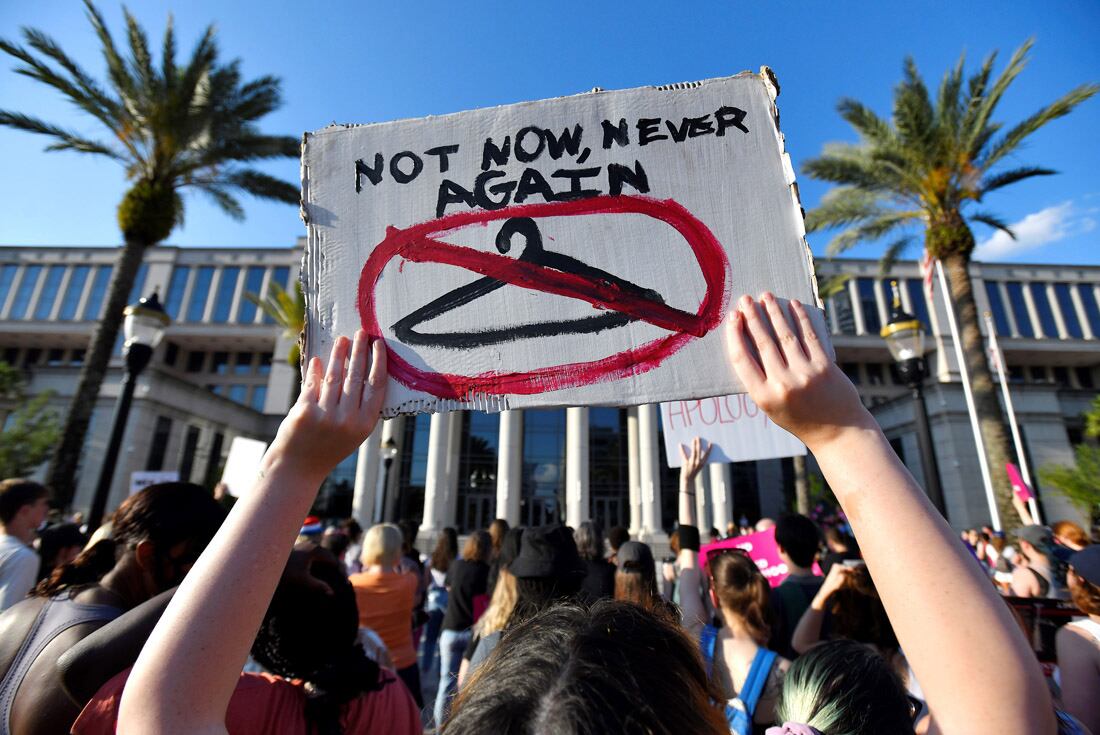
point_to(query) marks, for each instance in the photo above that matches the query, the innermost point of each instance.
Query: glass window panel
(73, 292)
(1019, 308)
(227, 287)
(477, 471)
(238, 393)
(1092, 311)
(280, 276)
(199, 292)
(55, 357)
(867, 301)
(841, 304)
(220, 364)
(265, 363)
(607, 466)
(48, 295)
(1042, 308)
(543, 498)
(177, 284)
(997, 307)
(253, 282)
(1061, 375)
(875, 376)
(1084, 377)
(917, 302)
(242, 363)
(138, 289)
(7, 277)
(77, 357)
(161, 433)
(24, 291)
(259, 397)
(94, 305)
(1069, 312)
(195, 360)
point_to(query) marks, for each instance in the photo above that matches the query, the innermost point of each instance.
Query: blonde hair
(500, 607)
(382, 545)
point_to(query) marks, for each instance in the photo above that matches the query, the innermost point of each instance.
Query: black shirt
(465, 580)
(599, 580)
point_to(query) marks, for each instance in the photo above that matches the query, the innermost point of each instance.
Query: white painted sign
(736, 426)
(141, 480)
(242, 465)
(574, 251)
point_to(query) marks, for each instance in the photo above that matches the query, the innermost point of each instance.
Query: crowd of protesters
(180, 618)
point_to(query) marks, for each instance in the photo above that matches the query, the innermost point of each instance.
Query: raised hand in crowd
(692, 462)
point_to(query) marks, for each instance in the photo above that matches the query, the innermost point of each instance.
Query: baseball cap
(1038, 536)
(310, 526)
(1086, 563)
(635, 553)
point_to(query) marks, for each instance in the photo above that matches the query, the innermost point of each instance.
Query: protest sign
(1023, 492)
(141, 480)
(761, 548)
(574, 251)
(734, 426)
(242, 465)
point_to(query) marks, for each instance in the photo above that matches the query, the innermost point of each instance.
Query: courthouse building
(221, 372)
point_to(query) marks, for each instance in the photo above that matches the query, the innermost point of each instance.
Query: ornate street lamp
(143, 326)
(904, 335)
(388, 452)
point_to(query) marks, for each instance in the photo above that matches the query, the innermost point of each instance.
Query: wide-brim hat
(546, 551)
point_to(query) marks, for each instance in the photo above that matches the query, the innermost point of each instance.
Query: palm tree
(170, 128)
(929, 168)
(289, 312)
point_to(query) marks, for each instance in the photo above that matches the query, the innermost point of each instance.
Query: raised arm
(952, 625)
(186, 673)
(691, 463)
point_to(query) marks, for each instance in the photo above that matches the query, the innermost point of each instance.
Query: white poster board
(242, 465)
(584, 250)
(142, 480)
(735, 425)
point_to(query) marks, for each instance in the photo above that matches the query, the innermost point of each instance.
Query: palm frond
(828, 286)
(992, 220)
(261, 185)
(226, 201)
(949, 105)
(141, 61)
(168, 57)
(1059, 108)
(989, 100)
(865, 121)
(843, 206)
(913, 114)
(893, 251)
(65, 140)
(869, 231)
(116, 66)
(1004, 178)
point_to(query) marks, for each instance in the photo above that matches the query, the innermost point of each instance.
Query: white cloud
(1038, 229)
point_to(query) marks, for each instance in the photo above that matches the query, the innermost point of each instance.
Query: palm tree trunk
(65, 463)
(991, 418)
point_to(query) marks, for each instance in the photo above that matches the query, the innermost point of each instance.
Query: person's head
(589, 541)
(1083, 579)
(310, 635)
(497, 529)
(409, 530)
(636, 575)
(547, 569)
(478, 547)
(1070, 535)
(714, 535)
(764, 524)
(1036, 542)
(797, 539)
(836, 540)
(156, 535)
(382, 545)
(615, 668)
(740, 592)
(616, 537)
(857, 612)
(505, 594)
(311, 530)
(972, 536)
(335, 541)
(845, 688)
(446, 549)
(23, 507)
(685, 538)
(351, 527)
(731, 529)
(58, 544)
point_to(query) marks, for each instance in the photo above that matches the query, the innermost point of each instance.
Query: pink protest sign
(1023, 492)
(761, 548)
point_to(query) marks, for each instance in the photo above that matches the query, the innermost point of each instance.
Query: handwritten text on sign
(736, 426)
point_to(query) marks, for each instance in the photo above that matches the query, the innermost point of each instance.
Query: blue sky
(366, 62)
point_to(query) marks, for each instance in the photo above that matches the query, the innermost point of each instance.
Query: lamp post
(143, 326)
(904, 336)
(388, 451)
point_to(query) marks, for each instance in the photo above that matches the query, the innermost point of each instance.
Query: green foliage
(32, 429)
(1080, 484)
(930, 162)
(169, 126)
(287, 311)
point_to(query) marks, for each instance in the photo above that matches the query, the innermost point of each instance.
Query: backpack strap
(707, 638)
(761, 668)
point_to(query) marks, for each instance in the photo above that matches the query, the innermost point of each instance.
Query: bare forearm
(808, 632)
(942, 608)
(687, 502)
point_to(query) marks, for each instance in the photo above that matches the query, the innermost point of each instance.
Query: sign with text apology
(576, 251)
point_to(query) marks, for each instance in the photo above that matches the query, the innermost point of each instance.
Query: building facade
(221, 372)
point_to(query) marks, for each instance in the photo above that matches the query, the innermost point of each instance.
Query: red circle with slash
(417, 244)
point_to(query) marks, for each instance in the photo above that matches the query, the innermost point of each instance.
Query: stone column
(510, 466)
(720, 486)
(649, 467)
(633, 471)
(454, 438)
(366, 478)
(576, 466)
(435, 480)
(702, 502)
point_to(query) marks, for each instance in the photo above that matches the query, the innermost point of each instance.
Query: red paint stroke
(417, 244)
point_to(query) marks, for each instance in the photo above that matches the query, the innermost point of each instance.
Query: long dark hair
(446, 549)
(742, 591)
(166, 515)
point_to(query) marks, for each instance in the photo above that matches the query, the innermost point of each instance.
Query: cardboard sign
(1021, 488)
(142, 480)
(242, 464)
(761, 548)
(575, 251)
(734, 425)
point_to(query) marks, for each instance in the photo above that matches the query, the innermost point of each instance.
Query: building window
(220, 363)
(1042, 307)
(94, 305)
(242, 364)
(161, 434)
(264, 367)
(1015, 374)
(869, 304)
(77, 357)
(1037, 373)
(851, 369)
(199, 291)
(7, 277)
(875, 374)
(746, 493)
(1019, 308)
(238, 393)
(71, 300)
(997, 307)
(917, 302)
(171, 354)
(543, 498)
(413, 463)
(195, 361)
(32, 357)
(477, 471)
(841, 305)
(1069, 312)
(253, 282)
(55, 358)
(259, 397)
(216, 388)
(1092, 311)
(227, 288)
(1084, 378)
(608, 471)
(280, 276)
(1061, 375)
(214, 461)
(187, 456)
(11, 355)
(24, 292)
(48, 295)
(139, 284)
(177, 284)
